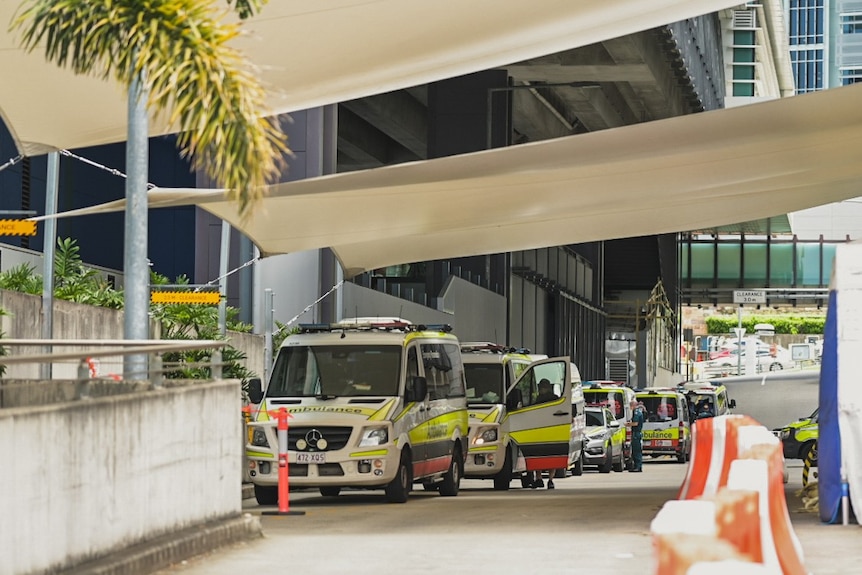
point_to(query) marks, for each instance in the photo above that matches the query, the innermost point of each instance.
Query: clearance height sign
(196, 297)
(17, 228)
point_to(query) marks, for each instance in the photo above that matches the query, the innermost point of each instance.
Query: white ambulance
(512, 428)
(376, 404)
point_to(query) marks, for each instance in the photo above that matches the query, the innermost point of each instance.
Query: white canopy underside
(689, 172)
(315, 53)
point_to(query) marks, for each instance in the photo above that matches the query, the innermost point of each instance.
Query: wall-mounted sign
(202, 297)
(17, 228)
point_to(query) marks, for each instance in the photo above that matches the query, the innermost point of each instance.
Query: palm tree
(181, 49)
(172, 56)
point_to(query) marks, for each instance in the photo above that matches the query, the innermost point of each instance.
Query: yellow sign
(17, 228)
(205, 297)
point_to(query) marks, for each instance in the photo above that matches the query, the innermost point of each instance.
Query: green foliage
(280, 333)
(75, 282)
(21, 278)
(191, 321)
(784, 324)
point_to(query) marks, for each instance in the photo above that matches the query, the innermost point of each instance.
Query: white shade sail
(327, 51)
(689, 172)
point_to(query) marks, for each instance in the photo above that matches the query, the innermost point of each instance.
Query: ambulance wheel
(608, 463)
(330, 491)
(452, 480)
(266, 494)
(504, 476)
(578, 467)
(399, 488)
(681, 457)
(620, 465)
(809, 450)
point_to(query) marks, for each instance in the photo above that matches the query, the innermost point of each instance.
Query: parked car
(604, 440)
(767, 360)
(799, 438)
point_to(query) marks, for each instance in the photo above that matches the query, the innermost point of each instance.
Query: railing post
(157, 370)
(215, 364)
(83, 379)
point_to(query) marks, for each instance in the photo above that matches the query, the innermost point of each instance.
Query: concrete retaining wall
(79, 321)
(83, 479)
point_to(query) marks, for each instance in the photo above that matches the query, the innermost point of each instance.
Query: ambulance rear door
(541, 425)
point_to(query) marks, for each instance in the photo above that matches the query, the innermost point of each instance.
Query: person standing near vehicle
(546, 394)
(637, 425)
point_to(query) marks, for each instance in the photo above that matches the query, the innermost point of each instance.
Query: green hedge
(717, 325)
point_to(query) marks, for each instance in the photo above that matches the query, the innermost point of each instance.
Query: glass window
(728, 265)
(443, 370)
(484, 382)
(659, 408)
(594, 418)
(336, 370)
(612, 399)
(743, 72)
(754, 265)
(743, 37)
(743, 89)
(808, 265)
(743, 55)
(702, 264)
(781, 268)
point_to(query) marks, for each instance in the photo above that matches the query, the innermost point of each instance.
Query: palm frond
(182, 50)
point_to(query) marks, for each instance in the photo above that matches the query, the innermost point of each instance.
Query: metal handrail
(137, 347)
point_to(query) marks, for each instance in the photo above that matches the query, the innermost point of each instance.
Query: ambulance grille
(336, 437)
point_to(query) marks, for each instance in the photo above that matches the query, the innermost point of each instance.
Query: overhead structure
(697, 171)
(365, 48)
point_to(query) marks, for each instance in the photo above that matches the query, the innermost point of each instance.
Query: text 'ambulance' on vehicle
(667, 429)
(373, 403)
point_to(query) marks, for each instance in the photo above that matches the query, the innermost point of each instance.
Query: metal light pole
(136, 285)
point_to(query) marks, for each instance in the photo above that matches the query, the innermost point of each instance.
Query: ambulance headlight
(258, 438)
(374, 436)
(485, 435)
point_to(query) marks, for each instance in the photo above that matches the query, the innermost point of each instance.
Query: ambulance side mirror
(418, 390)
(255, 390)
(513, 400)
(732, 404)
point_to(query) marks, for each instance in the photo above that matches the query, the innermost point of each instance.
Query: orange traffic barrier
(714, 446)
(737, 520)
(685, 533)
(775, 516)
(737, 465)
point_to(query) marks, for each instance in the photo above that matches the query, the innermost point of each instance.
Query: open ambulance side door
(539, 424)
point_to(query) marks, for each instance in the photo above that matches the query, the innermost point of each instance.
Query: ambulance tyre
(608, 463)
(682, 457)
(620, 465)
(330, 491)
(504, 476)
(578, 467)
(452, 479)
(809, 449)
(399, 488)
(266, 494)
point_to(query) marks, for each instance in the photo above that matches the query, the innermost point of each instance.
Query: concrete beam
(361, 145)
(399, 116)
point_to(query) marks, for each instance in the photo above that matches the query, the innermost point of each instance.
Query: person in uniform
(637, 425)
